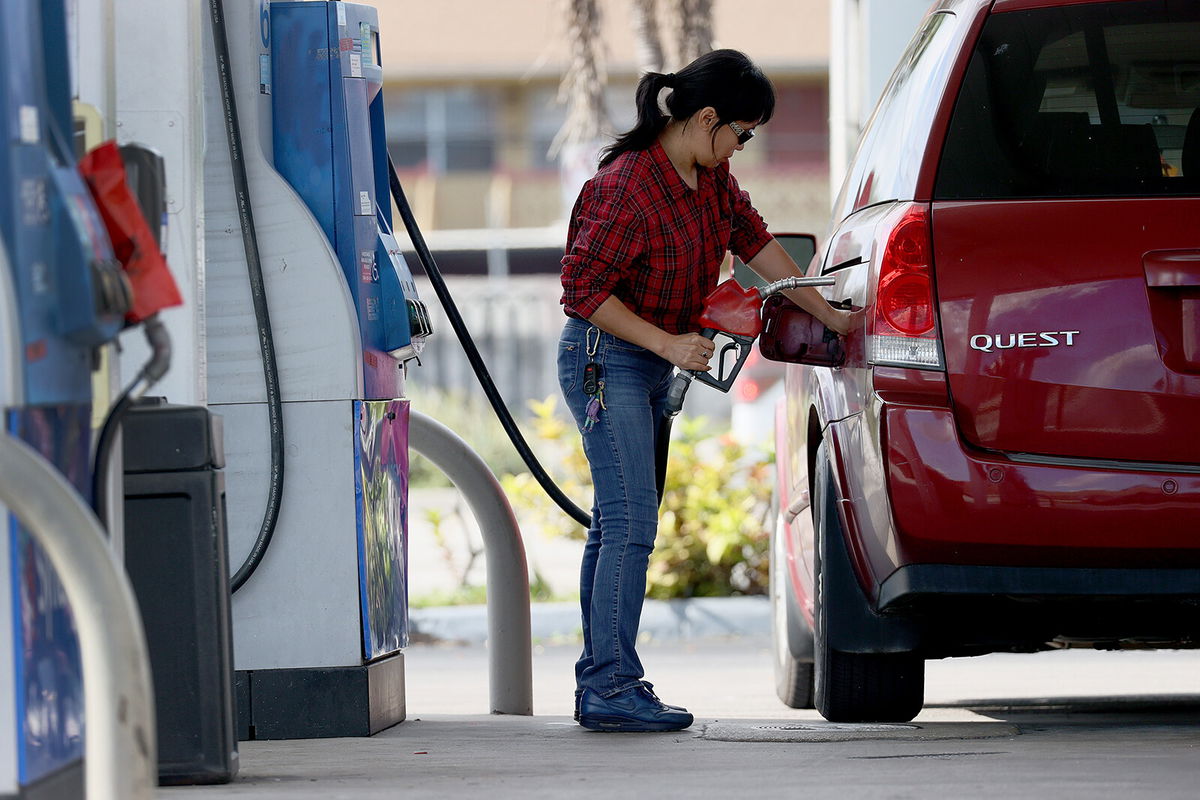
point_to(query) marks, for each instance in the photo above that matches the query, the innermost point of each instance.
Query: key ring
(593, 383)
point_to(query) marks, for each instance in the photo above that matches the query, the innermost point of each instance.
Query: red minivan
(1007, 455)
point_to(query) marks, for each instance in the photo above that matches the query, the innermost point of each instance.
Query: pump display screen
(368, 43)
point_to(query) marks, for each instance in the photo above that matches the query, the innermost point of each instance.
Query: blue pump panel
(329, 143)
(48, 670)
(381, 489)
(69, 286)
(402, 314)
(70, 297)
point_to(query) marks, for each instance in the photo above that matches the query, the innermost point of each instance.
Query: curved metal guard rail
(120, 749)
(510, 654)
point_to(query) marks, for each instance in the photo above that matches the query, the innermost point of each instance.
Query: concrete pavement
(534, 757)
(1012, 742)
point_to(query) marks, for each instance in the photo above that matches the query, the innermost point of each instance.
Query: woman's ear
(708, 117)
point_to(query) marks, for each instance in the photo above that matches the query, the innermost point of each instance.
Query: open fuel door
(789, 333)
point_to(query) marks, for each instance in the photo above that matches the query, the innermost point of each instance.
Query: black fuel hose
(477, 364)
(150, 373)
(662, 446)
(103, 456)
(262, 317)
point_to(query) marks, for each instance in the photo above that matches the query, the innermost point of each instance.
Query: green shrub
(713, 538)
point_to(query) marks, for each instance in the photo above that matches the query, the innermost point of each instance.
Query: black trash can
(176, 557)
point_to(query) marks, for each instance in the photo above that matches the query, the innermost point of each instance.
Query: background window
(798, 134)
(545, 115)
(443, 130)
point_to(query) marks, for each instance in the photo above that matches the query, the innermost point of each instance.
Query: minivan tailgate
(1067, 332)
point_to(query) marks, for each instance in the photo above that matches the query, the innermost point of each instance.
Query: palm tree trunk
(690, 23)
(583, 83)
(577, 143)
(646, 34)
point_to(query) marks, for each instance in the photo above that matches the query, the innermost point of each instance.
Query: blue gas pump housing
(330, 145)
(72, 294)
(70, 297)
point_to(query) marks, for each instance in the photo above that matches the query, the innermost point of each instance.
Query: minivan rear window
(1099, 100)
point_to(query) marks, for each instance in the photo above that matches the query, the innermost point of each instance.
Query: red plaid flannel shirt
(639, 233)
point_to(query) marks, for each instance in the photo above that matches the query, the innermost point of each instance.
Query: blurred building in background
(472, 90)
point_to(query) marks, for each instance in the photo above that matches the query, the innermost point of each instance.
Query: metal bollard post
(120, 748)
(510, 656)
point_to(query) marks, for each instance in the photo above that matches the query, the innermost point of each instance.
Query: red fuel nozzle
(731, 309)
(737, 313)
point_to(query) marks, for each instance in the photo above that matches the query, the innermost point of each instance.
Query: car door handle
(1172, 269)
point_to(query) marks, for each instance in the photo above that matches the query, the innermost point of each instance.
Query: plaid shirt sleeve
(749, 234)
(604, 240)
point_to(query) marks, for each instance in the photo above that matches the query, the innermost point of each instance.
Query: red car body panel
(955, 505)
(973, 14)
(799, 566)
(1040, 455)
(1111, 378)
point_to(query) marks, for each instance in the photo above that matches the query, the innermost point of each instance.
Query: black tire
(792, 638)
(853, 687)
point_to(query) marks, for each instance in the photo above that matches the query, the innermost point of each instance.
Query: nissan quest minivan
(1006, 454)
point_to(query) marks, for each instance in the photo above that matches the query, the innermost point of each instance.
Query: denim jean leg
(658, 406)
(587, 579)
(571, 360)
(624, 478)
(620, 451)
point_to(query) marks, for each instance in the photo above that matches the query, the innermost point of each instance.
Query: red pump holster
(133, 242)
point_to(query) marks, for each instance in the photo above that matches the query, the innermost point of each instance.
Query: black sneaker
(649, 687)
(633, 710)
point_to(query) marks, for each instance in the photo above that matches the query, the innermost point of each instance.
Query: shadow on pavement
(1170, 709)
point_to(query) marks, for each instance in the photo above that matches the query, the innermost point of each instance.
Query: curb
(662, 621)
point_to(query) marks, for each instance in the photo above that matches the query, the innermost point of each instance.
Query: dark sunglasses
(743, 135)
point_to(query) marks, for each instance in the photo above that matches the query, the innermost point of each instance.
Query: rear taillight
(902, 328)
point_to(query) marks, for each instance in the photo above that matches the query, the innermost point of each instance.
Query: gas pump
(320, 620)
(66, 296)
(340, 168)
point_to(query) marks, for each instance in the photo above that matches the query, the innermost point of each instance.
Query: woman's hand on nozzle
(688, 351)
(843, 321)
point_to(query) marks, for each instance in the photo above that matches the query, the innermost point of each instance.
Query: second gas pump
(316, 442)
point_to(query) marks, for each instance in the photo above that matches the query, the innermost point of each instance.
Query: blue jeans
(620, 450)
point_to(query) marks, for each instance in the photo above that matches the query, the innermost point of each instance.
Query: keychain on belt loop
(593, 382)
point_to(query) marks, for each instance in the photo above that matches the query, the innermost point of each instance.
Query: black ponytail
(725, 79)
(650, 120)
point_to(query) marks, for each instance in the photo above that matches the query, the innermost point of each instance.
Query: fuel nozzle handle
(676, 391)
(680, 383)
(741, 341)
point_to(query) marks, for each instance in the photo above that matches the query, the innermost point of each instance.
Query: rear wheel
(853, 687)
(792, 637)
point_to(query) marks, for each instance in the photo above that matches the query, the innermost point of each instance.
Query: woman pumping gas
(645, 244)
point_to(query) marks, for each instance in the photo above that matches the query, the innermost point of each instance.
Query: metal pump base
(320, 702)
